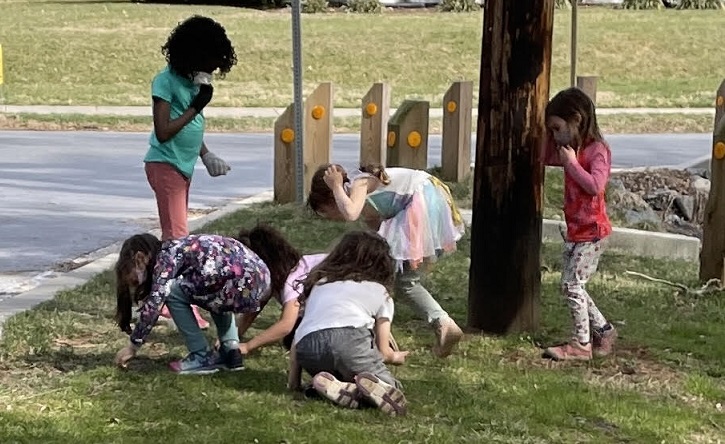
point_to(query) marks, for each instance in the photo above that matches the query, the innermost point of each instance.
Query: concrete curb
(641, 243)
(637, 242)
(230, 112)
(108, 255)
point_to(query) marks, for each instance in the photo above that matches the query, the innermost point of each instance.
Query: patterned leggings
(580, 263)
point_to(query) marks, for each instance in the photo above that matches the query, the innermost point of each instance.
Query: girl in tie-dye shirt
(216, 273)
(575, 143)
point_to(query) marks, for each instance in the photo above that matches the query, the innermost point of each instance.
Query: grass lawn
(609, 124)
(553, 198)
(664, 385)
(106, 52)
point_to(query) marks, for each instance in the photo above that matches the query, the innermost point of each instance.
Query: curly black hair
(199, 44)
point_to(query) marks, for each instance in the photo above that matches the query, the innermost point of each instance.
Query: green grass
(95, 52)
(553, 199)
(627, 123)
(58, 383)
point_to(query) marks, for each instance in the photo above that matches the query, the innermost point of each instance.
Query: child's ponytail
(123, 306)
(377, 171)
(125, 298)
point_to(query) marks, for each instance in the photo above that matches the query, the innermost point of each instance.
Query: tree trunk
(505, 270)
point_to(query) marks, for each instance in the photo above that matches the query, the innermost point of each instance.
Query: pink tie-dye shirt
(585, 181)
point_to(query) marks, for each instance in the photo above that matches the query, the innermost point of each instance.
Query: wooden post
(574, 32)
(713, 235)
(507, 198)
(456, 145)
(284, 157)
(408, 136)
(588, 84)
(375, 114)
(318, 131)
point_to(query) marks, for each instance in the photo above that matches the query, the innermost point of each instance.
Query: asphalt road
(64, 194)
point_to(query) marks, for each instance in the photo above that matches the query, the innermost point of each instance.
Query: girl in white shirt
(287, 267)
(343, 339)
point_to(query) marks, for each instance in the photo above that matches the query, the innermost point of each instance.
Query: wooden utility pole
(713, 235)
(505, 271)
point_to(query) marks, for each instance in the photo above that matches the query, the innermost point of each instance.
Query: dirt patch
(629, 369)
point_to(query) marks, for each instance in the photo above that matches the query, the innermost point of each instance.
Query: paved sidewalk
(145, 111)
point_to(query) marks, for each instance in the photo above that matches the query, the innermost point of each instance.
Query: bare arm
(294, 378)
(204, 149)
(245, 321)
(351, 206)
(382, 339)
(164, 127)
(277, 331)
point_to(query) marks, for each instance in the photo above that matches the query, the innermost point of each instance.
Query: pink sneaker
(572, 351)
(603, 341)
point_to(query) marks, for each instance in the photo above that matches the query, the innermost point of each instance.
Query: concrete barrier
(637, 242)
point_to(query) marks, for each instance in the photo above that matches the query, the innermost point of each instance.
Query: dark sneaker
(603, 341)
(232, 359)
(203, 363)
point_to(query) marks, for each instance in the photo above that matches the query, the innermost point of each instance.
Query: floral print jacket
(216, 273)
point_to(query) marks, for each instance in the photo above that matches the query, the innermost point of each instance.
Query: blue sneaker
(203, 363)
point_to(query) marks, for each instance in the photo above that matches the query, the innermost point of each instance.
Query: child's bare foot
(448, 334)
(344, 394)
(384, 396)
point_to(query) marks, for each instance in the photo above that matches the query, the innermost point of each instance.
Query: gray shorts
(343, 352)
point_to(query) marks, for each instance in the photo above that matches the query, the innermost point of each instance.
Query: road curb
(636, 242)
(49, 287)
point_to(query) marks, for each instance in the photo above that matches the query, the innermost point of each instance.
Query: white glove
(202, 78)
(214, 165)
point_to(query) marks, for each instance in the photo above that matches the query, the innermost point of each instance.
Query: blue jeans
(179, 306)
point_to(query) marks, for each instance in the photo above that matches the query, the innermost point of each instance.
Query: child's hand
(567, 154)
(398, 357)
(243, 349)
(214, 165)
(124, 355)
(333, 177)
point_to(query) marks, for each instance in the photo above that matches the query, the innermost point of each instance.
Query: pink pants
(172, 198)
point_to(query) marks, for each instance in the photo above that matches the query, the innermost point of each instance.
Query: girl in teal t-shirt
(195, 49)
